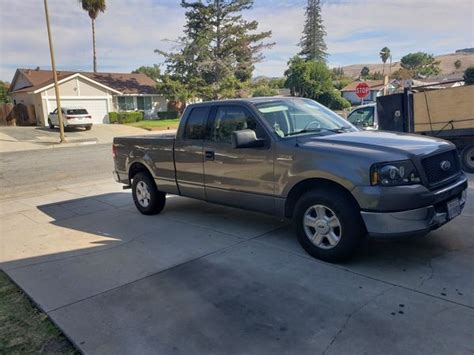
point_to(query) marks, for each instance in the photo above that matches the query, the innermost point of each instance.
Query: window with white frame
(126, 103)
(144, 103)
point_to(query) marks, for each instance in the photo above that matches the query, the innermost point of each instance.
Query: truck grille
(441, 167)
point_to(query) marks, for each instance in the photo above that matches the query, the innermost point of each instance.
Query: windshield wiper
(309, 130)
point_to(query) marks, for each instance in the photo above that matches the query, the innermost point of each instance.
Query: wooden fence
(17, 115)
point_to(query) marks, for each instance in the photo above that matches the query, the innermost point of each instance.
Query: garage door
(97, 108)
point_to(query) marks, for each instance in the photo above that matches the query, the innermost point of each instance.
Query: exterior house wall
(23, 98)
(159, 103)
(21, 82)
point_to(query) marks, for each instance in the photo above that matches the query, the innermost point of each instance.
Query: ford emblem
(445, 165)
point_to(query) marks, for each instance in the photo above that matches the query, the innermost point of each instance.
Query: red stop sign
(362, 90)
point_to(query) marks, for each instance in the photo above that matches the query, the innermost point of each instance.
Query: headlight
(394, 174)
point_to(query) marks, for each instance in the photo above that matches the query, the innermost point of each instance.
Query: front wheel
(147, 198)
(50, 123)
(328, 225)
(467, 159)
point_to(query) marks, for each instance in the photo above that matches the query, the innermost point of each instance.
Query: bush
(126, 117)
(333, 100)
(469, 75)
(168, 115)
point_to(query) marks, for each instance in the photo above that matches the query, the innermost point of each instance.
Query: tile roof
(124, 82)
(373, 84)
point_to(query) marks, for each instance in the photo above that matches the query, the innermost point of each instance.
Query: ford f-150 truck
(293, 158)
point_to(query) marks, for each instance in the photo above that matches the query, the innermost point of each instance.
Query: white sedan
(72, 117)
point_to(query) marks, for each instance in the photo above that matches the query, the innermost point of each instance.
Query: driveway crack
(350, 315)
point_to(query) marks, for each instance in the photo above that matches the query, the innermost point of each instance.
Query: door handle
(209, 154)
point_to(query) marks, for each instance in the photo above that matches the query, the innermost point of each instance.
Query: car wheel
(147, 198)
(50, 124)
(467, 159)
(88, 128)
(328, 225)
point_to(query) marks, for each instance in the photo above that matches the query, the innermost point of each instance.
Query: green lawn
(23, 328)
(156, 124)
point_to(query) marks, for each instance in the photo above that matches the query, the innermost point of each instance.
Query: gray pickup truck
(293, 158)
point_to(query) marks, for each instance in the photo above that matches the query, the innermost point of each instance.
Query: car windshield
(77, 111)
(362, 117)
(290, 117)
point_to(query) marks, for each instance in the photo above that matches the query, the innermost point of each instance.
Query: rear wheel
(88, 128)
(147, 198)
(50, 124)
(467, 158)
(328, 225)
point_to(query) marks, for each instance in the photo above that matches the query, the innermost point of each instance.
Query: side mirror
(246, 138)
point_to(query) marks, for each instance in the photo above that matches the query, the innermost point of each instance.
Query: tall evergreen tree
(313, 46)
(219, 48)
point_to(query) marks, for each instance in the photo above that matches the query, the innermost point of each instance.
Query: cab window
(362, 117)
(233, 118)
(195, 128)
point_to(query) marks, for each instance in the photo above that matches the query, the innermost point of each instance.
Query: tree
(93, 7)
(263, 88)
(457, 64)
(312, 79)
(313, 46)
(218, 51)
(365, 72)
(403, 74)
(384, 55)
(4, 97)
(152, 72)
(337, 73)
(421, 64)
(469, 75)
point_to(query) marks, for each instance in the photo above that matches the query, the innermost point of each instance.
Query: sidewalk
(14, 139)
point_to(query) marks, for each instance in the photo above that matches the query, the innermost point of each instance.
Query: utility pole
(55, 77)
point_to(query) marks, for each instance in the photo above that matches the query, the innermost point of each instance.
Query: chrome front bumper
(410, 222)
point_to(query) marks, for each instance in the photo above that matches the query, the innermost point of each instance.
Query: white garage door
(97, 108)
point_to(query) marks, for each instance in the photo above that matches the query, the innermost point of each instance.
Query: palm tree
(93, 7)
(384, 55)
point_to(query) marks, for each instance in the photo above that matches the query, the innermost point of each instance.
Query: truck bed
(155, 151)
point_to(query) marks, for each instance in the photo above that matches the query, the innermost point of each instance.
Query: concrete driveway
(204, 279)
(33, 138)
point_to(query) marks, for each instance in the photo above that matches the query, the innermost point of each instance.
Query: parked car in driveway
(293, 158)
(72, 117)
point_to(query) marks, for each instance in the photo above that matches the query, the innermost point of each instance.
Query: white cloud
(129, 30)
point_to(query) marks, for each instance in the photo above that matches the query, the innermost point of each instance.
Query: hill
(446, 65)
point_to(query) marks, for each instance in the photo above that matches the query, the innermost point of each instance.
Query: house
(99, 93)
(376, 89)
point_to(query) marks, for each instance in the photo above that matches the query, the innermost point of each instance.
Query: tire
(335, 238)
(147, 198)
(50, 124)
(88, 128)
(467, 159)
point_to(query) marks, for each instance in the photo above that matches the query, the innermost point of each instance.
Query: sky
(129, 31)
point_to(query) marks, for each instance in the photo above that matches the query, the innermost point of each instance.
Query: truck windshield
(290, 117)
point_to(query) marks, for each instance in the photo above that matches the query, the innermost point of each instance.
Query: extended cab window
(196, 124)
(233, 118)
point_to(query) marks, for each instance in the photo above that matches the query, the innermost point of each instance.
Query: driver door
(238, 177)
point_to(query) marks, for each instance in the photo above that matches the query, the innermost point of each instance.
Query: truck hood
(390, 142)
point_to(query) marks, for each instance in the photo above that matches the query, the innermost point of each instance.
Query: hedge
(126, 117)
(168, 115)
